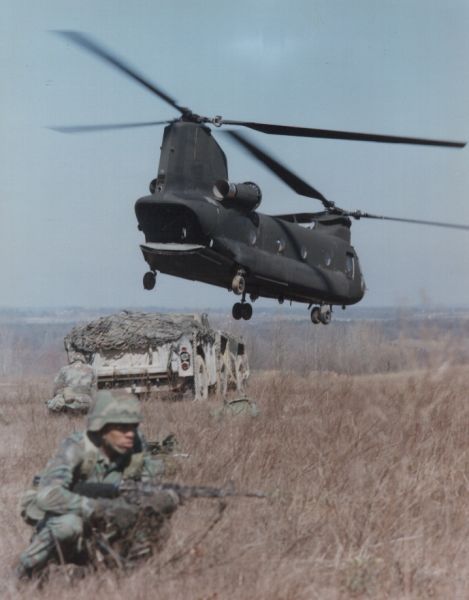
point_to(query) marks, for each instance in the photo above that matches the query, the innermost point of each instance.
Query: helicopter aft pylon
(200, 226)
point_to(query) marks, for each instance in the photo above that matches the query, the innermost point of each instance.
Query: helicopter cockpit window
(349, 265)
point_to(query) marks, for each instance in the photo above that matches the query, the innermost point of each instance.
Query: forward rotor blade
(84, 41)
(340, 135)
(293, 181)
(363, 215)
(109, 127)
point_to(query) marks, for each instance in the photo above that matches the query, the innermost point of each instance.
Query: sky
(68, 233)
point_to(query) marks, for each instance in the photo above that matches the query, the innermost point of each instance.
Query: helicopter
(198, 225)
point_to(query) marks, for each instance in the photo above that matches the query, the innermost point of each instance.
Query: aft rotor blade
(340, 135)
(108, 127)
(293, 181)
(86, 42)
(361, 215)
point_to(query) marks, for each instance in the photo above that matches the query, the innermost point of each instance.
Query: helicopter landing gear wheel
(149, 280)
(237, 311)
(315, 315)
(246, 311)
(238, 285)
(325, 314)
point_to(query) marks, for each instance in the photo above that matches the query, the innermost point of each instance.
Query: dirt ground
(366, 476)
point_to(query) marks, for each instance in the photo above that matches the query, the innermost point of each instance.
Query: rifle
(184, 492)
(133, 489)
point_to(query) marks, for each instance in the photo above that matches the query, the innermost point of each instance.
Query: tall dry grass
(367, 477)
(355, 347)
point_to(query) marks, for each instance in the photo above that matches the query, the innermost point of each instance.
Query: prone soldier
(111, 451)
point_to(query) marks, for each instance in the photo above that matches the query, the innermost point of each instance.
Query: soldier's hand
(101, 508)
(117, 512)
(164, 502)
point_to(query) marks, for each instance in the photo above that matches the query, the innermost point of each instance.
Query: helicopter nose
(167, 222)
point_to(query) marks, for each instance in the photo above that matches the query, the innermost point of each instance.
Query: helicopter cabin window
(349, 265)
(281, 246)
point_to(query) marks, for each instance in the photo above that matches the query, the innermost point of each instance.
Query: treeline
(286, 344)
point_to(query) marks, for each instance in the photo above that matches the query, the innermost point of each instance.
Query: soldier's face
(119, 437)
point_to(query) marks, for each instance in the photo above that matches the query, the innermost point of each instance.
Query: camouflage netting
(135, 332)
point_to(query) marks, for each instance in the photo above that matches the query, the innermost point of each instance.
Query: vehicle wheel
(325, 316)
(246, 311)
(315, 315)
(238, 285)
(200, 379)
(149, 280)
(241, 374)
(237, 311)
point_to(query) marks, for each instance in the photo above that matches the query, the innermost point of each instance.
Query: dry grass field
(366, 473)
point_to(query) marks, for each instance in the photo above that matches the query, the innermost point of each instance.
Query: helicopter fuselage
(190, 233)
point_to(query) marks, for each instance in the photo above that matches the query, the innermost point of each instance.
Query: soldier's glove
(116, 512)
(164, 502)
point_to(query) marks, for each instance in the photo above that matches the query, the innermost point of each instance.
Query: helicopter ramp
(189, 261)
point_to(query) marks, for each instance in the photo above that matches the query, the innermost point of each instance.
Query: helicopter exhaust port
(242, 196)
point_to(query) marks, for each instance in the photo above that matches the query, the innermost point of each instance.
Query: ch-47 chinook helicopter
(200, 226)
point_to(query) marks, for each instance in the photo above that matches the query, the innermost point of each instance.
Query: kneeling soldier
(110, 451)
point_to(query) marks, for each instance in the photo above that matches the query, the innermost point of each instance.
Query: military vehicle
(173, 354)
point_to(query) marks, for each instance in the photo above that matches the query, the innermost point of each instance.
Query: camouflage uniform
(73, 387)
(58, 514)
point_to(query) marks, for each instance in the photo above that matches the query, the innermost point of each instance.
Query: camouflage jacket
(78, 377)
(79, 459)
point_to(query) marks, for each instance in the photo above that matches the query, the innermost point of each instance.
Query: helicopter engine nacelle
(245, 196)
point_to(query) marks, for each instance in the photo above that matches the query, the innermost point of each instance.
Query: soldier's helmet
(113, 407)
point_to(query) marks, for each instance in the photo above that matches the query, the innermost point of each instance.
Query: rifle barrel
(187, 491)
